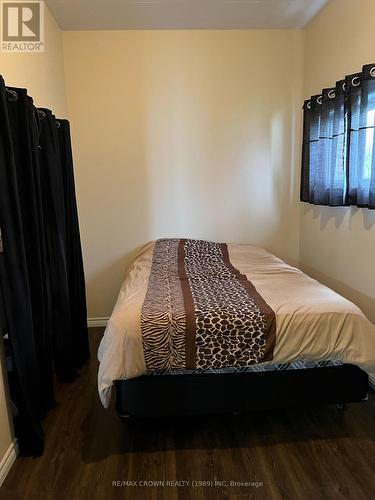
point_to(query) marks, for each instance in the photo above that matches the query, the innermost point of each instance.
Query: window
(338, 156)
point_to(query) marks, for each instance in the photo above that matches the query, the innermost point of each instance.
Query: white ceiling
(183, 14)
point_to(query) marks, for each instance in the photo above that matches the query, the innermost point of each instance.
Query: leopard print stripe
(270, 318)
(233, 324)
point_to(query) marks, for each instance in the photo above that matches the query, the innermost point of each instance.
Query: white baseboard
(93, 322)
(8, 460)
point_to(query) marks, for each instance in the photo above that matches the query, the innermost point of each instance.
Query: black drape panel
(24, 131)
(76, 279)
(323, 152)
(361, 110)
(305, 162)
(54, 209)
(338, 152)
(16, 289)
(43, 305)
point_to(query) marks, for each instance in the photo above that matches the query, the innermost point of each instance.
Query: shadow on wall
(107, 278)
(337, 246)
(368, 219)
(285, 187)
(338, 214)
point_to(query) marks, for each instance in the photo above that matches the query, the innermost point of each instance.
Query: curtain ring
(308, 105)
(344, 86)
(372, 72)
(319, 100)
(331, 94)
(356, 81)
(41, 114)
(58, 124)
(12, 95)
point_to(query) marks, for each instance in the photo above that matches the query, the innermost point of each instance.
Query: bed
(203, 327)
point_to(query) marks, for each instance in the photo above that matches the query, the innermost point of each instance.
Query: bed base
(172, 395)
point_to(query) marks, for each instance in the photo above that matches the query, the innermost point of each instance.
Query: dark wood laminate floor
(320, 453)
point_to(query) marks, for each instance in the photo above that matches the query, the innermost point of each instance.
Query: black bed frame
(172, 395)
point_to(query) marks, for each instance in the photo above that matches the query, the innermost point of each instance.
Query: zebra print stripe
(163, 312)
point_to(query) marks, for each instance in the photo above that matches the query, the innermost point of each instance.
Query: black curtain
(76, 278)
(67, 281)
(338, 152)
(324, 147)
(41, 273)
(15, 282)
(54, 208)
(361, 144)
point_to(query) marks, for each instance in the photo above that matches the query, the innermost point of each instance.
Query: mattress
(188, 306)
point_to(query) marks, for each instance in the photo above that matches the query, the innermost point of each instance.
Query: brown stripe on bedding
(190, 350)
(255, 295)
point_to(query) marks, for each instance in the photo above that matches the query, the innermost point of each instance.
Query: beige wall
(338, 244)
(43, 75)
(182, 133)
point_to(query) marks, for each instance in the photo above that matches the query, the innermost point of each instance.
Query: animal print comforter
(201, 312)
(198, 305)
